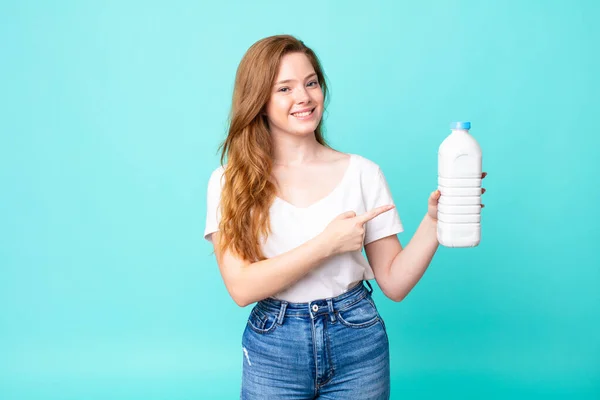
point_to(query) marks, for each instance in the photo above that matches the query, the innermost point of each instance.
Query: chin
(305, 130)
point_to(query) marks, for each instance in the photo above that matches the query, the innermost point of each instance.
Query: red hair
(248, 190)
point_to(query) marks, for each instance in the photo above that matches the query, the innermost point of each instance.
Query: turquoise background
(110, 117)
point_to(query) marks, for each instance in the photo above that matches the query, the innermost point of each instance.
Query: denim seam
(329, 353)
(366, 324)
(312, 331)
(293, 312)
(291, 305)
(384, 330)
(347, 306)
(261, 330)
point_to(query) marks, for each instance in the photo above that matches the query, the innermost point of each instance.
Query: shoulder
(215, 181)
(218, 172)
(366, 166)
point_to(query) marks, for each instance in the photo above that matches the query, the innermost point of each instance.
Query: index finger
(369, 215)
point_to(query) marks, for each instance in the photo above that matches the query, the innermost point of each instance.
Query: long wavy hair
(248, 189)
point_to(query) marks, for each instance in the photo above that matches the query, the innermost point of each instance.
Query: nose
(302, 96)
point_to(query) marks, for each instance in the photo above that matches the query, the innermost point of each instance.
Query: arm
(398, 270)
(249, 282)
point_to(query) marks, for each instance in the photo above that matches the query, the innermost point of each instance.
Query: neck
(295, 150)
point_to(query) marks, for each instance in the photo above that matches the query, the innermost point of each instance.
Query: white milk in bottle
(459, 182)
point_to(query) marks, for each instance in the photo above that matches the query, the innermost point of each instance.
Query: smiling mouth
(303, 114)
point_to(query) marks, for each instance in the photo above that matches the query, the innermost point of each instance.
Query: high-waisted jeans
(326, 349)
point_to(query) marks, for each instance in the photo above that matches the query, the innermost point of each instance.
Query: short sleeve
(213, 199)
(377, 194)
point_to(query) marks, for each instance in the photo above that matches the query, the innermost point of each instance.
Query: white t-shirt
(362, 188)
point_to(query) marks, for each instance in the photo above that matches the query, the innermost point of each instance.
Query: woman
(288, 217)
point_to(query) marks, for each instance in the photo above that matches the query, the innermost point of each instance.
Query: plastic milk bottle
(459, 182)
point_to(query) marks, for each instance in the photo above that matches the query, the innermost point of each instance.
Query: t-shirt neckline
(327, 196)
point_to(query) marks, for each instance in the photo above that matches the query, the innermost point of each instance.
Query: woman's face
(296, 103)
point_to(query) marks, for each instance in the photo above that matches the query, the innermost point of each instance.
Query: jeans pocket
(360, 315)
(261, 321)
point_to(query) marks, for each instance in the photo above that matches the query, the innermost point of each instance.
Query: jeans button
(315, 308)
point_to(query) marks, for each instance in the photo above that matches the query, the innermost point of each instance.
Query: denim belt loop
(370, 287)
(331, 312)
(281, 312)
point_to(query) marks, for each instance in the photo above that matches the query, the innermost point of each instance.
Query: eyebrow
(289, 80)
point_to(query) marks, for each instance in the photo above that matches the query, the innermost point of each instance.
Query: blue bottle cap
(460, 125)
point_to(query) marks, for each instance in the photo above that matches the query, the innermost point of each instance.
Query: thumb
(433, 199)
(346, 215)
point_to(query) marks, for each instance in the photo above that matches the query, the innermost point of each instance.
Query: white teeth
(302, 114)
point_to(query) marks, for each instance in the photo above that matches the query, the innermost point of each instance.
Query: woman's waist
(355, 292)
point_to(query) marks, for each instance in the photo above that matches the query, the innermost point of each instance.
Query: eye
(283, 89)
(313, 83)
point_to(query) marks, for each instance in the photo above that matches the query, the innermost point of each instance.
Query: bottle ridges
(460, 200)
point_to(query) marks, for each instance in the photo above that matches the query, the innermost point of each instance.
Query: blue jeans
(326, 349)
